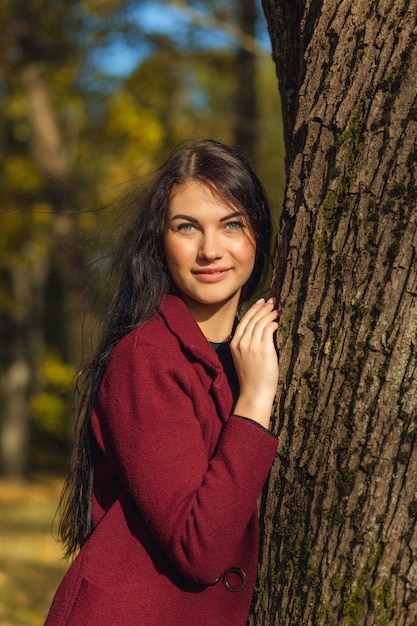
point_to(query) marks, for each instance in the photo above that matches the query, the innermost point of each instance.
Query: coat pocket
(123, 605)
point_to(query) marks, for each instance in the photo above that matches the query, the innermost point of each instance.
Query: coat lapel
(181, 323)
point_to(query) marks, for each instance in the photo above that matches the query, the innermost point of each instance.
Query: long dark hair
(144, 282)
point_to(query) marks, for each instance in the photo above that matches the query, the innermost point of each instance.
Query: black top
(225, 357)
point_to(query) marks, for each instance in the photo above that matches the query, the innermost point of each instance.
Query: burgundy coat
(175, 488)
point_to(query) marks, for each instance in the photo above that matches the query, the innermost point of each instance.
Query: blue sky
(119, 58)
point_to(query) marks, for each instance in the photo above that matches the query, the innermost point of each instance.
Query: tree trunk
(246, 110)
(20, 366)
(52, 157)
(340, 511)
(20, 351)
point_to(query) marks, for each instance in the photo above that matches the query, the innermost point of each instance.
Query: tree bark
(340, 511)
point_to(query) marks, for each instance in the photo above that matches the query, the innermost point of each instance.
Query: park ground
(31, 564)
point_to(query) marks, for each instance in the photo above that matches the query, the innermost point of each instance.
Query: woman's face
(209, 246)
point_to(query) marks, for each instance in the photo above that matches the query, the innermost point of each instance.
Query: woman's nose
(211, 246)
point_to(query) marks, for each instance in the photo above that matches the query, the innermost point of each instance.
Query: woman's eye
(234, 225)
(185, 228)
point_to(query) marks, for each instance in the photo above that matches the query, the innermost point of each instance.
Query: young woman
(174, 446)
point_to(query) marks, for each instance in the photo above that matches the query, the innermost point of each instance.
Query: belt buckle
(239, 572)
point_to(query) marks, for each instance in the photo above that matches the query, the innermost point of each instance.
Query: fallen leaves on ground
(31, 564)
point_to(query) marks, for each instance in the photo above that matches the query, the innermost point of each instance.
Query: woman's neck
(215, 321)
(217, 330)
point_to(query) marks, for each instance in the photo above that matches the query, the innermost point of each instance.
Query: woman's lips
(211, 275)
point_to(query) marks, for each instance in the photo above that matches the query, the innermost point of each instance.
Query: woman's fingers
(259, 313)
(256, 361)
(253, 346)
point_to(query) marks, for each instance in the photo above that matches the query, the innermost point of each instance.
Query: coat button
(234, 579)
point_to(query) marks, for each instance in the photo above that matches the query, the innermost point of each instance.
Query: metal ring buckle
(239, 572)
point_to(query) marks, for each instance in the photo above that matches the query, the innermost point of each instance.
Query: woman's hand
(256, 361)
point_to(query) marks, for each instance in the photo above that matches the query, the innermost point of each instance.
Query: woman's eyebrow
(234, 214)
(188, 218)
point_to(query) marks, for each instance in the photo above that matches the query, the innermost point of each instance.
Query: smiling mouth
(210, 275)
(212, 270)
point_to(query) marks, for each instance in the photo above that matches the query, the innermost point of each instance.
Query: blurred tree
(246, 113)
(31, 120)
(74, 126)
(341, 509)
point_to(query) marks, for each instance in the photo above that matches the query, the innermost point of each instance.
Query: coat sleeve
(197, 508)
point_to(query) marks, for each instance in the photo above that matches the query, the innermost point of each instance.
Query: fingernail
(272, 299)
(260, 301)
